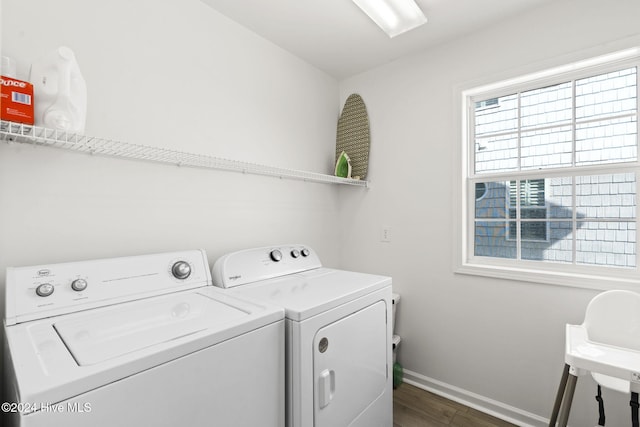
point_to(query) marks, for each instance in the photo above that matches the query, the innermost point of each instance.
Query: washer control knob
(295, 253)
(181, 270)
(276, 255)
(305, 252)
(45, 289)
(79, 285)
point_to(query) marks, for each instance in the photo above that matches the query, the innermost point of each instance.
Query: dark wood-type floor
(414, 407)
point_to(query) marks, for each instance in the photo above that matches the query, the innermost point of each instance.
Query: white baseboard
(484, 404)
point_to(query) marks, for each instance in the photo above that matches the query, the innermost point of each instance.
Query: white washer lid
(48, 352)
(312, 292)
(98, 336)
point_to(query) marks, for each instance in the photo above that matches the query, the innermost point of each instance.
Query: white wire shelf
(35, 135)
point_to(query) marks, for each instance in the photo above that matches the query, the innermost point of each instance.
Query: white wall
(177, 75)
(494, 343)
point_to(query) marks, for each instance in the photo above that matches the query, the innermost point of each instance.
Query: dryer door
(350, 366)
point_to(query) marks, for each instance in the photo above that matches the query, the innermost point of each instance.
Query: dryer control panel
(252, 265)
(42, 291)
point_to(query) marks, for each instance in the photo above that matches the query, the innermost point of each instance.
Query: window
(533, 205)
(551, 173)
(481, 190)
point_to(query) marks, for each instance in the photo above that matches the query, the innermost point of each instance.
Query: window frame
(575, 275)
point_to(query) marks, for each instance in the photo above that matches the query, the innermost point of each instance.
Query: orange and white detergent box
(16, 103)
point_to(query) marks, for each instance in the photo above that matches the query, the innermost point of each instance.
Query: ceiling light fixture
(393, 16)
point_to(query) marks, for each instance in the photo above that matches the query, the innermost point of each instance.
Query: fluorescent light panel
(393, 16)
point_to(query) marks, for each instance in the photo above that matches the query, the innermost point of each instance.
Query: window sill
(558, 278)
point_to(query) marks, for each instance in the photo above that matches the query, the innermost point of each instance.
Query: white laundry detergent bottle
(60, 92)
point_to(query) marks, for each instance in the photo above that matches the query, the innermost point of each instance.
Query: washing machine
(338, 333)
(139, 341)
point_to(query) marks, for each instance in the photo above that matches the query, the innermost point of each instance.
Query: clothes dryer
(139, 341)
(338, 333)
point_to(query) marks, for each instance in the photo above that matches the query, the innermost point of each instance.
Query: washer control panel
(252, 265)
(47, 290)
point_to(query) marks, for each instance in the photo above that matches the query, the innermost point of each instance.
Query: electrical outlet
(385, 235)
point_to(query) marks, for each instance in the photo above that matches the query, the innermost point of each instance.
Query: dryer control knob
(305, 252)
(79, 285)
(276, 255)
(181, 270)
(295, 253)
(45, 289)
